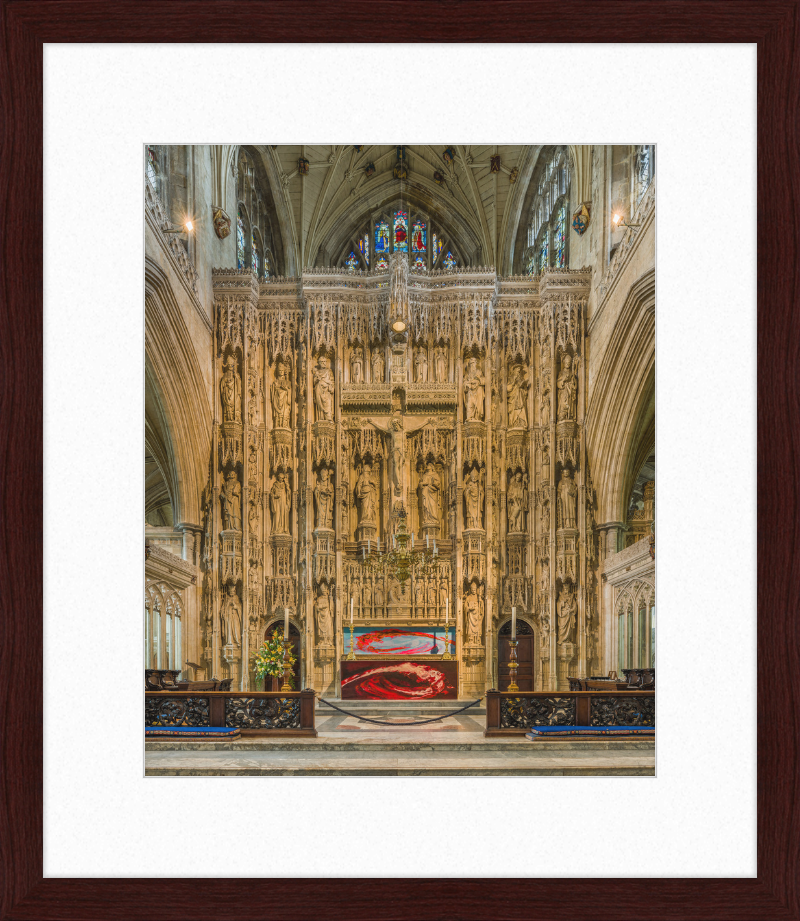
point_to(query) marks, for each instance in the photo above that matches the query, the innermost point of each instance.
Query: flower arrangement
(269, 659)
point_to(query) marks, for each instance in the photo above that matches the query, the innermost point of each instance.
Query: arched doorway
(274, 684)
(524, 656)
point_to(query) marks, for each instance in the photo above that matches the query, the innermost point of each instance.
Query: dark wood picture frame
(25, 25)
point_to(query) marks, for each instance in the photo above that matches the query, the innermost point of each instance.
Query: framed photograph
(327, 436)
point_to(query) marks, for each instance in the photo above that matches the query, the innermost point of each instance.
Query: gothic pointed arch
(181, 414)
(622, 406)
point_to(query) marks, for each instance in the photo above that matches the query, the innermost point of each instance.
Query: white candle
(286, 624)
(446, 609)
(351, 610)
(513, 623)
(427, 541)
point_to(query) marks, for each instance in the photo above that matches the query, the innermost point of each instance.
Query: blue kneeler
(543, 732)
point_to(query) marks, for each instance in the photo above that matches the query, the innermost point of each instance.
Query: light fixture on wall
(619, 221)
(186, 227)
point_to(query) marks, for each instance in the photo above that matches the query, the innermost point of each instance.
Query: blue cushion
(590, 731)
(207, 732)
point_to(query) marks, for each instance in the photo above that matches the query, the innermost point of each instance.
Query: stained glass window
(381, 237)
(255, 256)
(449, 261)
(381, 262)
(401, 231)
(419, 263)
(266, 266)
(240, 240)
(351, 262)
(363, 245)
(544, 250)
(437, 246)
(151, 165)
(530, 268)
(419, 237)
(560, 237)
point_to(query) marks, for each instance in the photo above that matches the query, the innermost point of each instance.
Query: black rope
(366, 719)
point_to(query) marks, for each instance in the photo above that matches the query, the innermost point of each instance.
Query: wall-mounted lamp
(618, 221)
(186, 227)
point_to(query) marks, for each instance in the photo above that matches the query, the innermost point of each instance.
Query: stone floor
(350, 745)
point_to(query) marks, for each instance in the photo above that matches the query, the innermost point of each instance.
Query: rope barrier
(366, 719)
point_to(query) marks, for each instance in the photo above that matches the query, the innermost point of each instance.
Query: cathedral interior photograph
(399, 459)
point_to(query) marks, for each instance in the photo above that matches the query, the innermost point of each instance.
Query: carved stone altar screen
(344, 399)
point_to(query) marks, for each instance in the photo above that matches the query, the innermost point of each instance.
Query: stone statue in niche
(323, 390)
(378, 365)
(544, 582)
(366, 493)
(568, 500)
(546, 464)
(323, 614)
(567, 387)
(545, 630)
(419, 595)
(442, 597)
(231, 617)
(567, 612)
(280, 502)
(394, 591)
(430, 487)
(281, 397)
(365, 598)
(323, 499)
(473, 497)
(230, 388)
(517, 504)
(253, 515)
(517, 389)
(431, 597)
(474, 392)
(357, 365)
(474, 614)
(421, 364)
(398, 453)
(440, 364)
(231, 499)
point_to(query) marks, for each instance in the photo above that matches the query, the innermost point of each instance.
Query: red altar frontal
(388, 679)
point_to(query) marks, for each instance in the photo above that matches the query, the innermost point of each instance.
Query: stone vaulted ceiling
(320, 211)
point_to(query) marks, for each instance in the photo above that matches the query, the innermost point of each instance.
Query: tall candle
(513, 623)
(427, 541)
(351, 610)
(286, 625)
(369, 546)
(446, 609)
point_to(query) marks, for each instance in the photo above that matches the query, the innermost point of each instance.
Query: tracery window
(163, 610)
(240, 238)
(548, 240)
(255, 261)
(253, 245)
(382, 237)
(152, 169)
(419, 237)
(401, 232)
(398, 230)
(644, 170)
(635, 609)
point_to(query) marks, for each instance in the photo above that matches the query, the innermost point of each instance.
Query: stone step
(538, 761)
(404, 742)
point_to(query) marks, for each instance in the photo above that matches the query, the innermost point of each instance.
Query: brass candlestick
(447, 644)
(352, 653)
(513, 665)
(286, 671)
